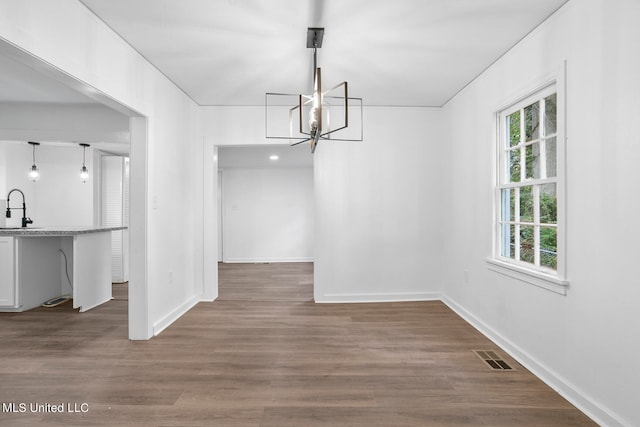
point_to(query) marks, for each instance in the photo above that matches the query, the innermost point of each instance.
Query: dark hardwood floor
(265, 355)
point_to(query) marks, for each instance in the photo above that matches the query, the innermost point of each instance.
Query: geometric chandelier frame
(323, 115)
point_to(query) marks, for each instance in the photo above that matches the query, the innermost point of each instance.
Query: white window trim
(553, 281)
(533, 277)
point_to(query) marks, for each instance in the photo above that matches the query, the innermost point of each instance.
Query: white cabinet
(8, 287)
(38, 269)
(37, 265)
(28, 269)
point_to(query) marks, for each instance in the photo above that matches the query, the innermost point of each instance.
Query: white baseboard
(163, 323)
(94, 305)
(264, 260)
(378, 297)
(567, 390)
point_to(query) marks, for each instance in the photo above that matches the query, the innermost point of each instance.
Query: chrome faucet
(25, 220)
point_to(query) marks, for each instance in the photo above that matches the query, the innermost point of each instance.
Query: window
(529, 185)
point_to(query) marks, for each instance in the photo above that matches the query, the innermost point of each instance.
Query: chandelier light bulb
(313, 119)
(34, 173)
(84, 174)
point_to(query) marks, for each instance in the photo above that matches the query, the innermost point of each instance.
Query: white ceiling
(400, 52)
(230, 52)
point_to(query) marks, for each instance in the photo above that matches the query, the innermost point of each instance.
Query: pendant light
(84, 172)
(34, 172)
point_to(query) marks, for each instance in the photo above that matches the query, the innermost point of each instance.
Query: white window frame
(546, 278)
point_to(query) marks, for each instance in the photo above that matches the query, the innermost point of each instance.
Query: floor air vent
(492, 360)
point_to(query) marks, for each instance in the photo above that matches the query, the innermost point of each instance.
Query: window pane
(513, 127)
(550, 151)
(512, 241)
(532, 161)
(548, 247)
(508, 248)
(526, 244)
(513, 159)
(508, 203)
(526, 204)
(527, 218)
(532, 121)
(550, 115)
(548, 204)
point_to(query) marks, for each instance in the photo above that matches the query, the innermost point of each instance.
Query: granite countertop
(54, 231)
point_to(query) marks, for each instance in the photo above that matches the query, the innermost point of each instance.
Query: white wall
(228, 126)
(60, 198)
(268, 215)
(167, 244)
(3, 183)
(378, 218)
(585, 343)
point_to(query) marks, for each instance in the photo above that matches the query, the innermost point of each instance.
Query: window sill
(532, 277)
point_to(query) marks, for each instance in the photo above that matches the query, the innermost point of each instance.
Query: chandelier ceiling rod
(314, 41)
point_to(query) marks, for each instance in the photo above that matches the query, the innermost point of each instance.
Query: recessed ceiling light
(273, 157)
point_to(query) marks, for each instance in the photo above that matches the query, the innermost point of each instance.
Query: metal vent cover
(493, 360)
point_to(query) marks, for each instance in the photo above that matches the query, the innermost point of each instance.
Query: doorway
(265, 221)
(64, 110)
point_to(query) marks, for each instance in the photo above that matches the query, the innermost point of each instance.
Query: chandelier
(322, 115)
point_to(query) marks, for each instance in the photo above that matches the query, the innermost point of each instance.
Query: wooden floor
(265, 355)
